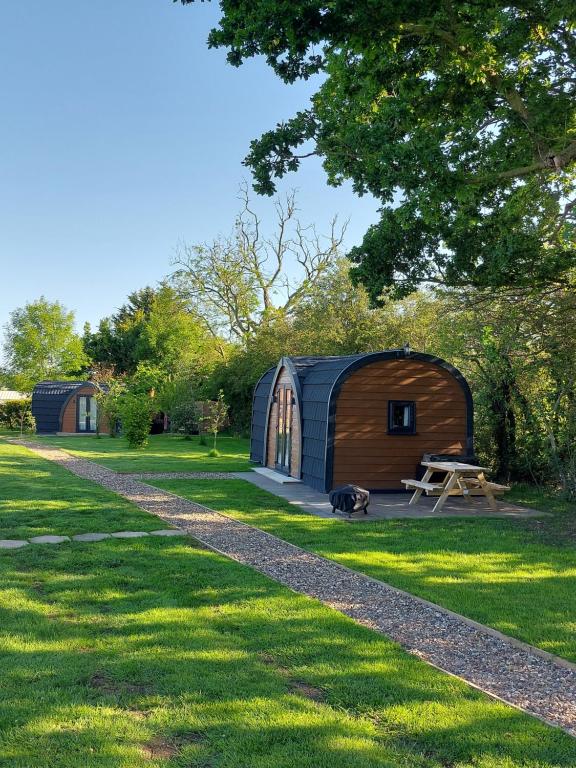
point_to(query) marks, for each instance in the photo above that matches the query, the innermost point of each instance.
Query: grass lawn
(156, 652)
(503, 573)
(164, 453)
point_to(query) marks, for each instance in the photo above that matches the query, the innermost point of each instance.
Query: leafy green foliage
(136, 412)
(154, 336)
(334, 317)
(214, 418)
(185, 417)
(460, 119)
(17, 415)
(40, 343)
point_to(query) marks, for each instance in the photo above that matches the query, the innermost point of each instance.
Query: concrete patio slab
(276, 477)
(49, 539)
(12, 544)
(90, 536)
(386, 506)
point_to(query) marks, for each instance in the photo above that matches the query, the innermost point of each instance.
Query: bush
(214, 453)
(184, 418)
(17, 415)
(136, 414)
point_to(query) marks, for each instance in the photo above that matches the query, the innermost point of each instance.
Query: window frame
(411, 428)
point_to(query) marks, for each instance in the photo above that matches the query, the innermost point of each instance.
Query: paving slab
(49, 539)
(129, 534)
(386, 506)
(91, 536)
(12, 544)
(168, 532)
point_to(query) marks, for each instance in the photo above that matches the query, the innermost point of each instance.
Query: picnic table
(460, 480)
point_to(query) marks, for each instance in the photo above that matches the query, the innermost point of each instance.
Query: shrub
(136, 414)
(17, 414)
(213, 453)
(184, 418)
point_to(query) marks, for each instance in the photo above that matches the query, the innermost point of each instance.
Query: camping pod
(366, 419)
(66, 408)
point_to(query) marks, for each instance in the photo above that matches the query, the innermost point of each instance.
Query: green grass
(164, 453)
(38, 497)
(500, 572)
(156, 652)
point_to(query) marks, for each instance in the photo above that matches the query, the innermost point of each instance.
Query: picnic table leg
(464, 488)
(418, 492)
(450, 483)
(487, 491)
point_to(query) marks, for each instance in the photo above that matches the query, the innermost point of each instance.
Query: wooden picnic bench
(460, 480)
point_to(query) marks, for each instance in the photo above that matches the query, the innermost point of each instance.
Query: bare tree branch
(234, 282)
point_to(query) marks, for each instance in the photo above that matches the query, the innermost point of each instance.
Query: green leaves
(41, 344)
(460, 119)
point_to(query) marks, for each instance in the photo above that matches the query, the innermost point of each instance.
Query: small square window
(401, 417)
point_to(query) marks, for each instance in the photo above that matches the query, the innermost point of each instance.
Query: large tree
(40, 343)
(237, 282)
(155, 329)
(459, 117)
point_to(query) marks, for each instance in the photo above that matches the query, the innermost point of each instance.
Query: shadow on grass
(491, 570)
(111, 651)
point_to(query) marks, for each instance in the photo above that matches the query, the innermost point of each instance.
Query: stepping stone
(168, 532)
(49, 539)
(12, 544)
(90, 536)
(129, 534)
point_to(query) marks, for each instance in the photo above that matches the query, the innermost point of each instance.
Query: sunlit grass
(155, 652)
(38, 498)
(164, 453)
(496, 571)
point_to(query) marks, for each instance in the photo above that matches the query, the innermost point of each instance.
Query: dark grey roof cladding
(259, 414)
(316, 390)
(315, 376)
(48, 399)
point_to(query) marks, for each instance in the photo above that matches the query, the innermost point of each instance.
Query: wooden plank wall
(364, 452)
(69, 416)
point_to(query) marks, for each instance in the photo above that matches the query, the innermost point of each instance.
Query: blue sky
(121, 135)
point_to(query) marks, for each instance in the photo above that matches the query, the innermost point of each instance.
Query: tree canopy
(40, 343)
(236, 283)
(459, 117)
(154, 327)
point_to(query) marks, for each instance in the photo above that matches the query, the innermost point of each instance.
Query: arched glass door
(284, 428)
(87, 413)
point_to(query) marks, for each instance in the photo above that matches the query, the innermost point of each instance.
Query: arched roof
(318, 383)
(49, 399)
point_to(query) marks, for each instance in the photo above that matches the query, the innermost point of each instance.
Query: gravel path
(520, 675)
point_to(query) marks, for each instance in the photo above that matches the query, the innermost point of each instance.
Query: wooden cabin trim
(377, 357)
(287, 365)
